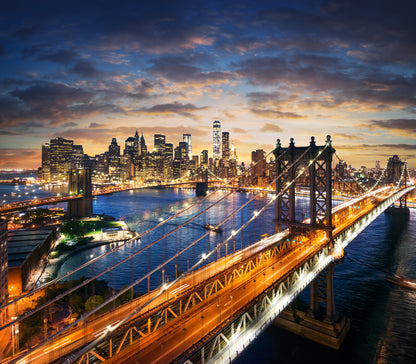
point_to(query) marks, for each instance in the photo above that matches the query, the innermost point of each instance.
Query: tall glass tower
(187, 139)
(216, 141)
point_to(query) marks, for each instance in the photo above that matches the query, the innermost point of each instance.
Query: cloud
(61, 56)
(8, 132)
(25, 33)
(269, 113)
(19, 157)
(173, 108)
(393, 147)
(185, 69)
(52, 103)
(238, 130)
(274, 128)
(328, 82)
(346, 136)
(400, 125)
(96, 126)
(86, 69)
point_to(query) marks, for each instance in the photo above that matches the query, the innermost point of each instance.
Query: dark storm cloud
(403, 125)
(175, 108)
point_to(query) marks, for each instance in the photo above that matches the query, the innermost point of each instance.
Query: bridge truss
(173, 301)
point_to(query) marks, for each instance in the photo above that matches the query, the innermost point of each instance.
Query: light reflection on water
(383, 316)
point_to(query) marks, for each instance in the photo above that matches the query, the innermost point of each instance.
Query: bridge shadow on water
(363, 294)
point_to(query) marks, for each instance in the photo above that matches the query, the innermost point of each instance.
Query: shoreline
(53, 266)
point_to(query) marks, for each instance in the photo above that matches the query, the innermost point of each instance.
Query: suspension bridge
(220, 300)
(53, 200)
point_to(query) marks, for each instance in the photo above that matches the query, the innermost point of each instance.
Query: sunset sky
(94, 70)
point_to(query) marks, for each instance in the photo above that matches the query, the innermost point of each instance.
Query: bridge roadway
(167, 344)
(177, 336)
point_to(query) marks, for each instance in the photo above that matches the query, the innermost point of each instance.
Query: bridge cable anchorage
(203, 258)
(20, 318)
(32, 292)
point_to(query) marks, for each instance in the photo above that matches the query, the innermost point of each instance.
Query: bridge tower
(80, 184)
(317, 160)
(202, 186)
(401, 179)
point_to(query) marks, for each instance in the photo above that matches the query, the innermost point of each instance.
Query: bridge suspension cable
(203, 258)
(111, 299)
(94, 260)
(88, 280)
(363, 187)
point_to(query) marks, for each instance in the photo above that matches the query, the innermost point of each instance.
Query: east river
(383, 315)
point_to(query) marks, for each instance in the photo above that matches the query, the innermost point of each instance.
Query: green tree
(74, 228)
(93, 302)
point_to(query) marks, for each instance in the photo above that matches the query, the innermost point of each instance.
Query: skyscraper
(77, 159)
(46, 162)
(204, 157)
(187, 139)
(258, 160)
(143, 147)
(114, 159)
(60, 156)
(114, 148)
(160, 142)
(130, 147)
(216, 139)
(225, 146)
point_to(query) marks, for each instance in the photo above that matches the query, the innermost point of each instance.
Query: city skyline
(271, 70)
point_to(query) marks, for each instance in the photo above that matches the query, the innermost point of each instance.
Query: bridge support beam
(326, 328)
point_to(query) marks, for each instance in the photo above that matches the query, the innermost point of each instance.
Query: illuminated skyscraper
(216, 140)
(204, 157)
(60, 154)
(225, 146)
(187, 139)
(159, 143)
(142, 146)
(114, 159)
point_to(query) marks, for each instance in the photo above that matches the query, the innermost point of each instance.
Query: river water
(383, 315)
